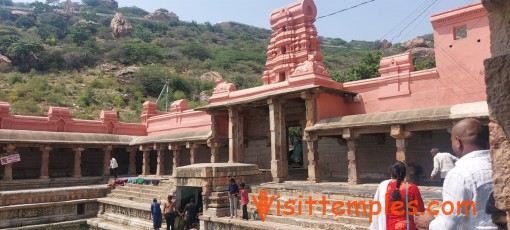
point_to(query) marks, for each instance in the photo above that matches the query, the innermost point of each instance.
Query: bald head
(468, 135)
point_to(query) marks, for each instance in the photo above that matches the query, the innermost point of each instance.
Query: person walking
(469, 181)
(170, 213)
(114, 167)
(392, 191)
(233, 191)
(190, 213)
(156, 214)
(244, 200)
(443, 163)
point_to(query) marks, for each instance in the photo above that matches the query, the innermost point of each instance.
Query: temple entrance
(184, 194)
(295, 147)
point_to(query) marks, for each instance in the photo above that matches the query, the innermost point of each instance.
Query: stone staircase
(128, 207)
(301, 191)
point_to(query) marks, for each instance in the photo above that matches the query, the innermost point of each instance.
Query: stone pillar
(498, 99)
(8, 167)
(193, 150)
(77, 161)
(106, 160)
(401, 135)
(160, 169)
(177, 160)
(45, 157)
(314, 172)
(351, 138)
(279, 152)
(146, 159)
(132, 160)
(215, 150)
(235, 135)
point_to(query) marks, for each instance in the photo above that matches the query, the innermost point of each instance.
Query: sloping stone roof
(174, 137)
(460, 111)
(25, 136)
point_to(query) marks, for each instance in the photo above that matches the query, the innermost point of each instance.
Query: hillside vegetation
(71, 59)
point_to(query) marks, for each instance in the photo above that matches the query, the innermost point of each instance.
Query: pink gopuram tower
(295, 49)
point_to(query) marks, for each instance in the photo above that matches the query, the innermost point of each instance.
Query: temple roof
(200, 135)
(26, 136)
(444, 113)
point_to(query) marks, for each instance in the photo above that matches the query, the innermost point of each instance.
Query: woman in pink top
(244, 201)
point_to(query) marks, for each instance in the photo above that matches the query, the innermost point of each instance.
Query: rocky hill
(94, 56)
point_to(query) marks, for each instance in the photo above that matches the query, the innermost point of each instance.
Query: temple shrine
(352, 132)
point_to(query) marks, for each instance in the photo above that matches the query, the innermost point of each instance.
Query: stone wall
(418, 149)
(376, 152)
(29, 167)
(203, 154)
(92, 162)
(61, 163)
(498, 97)
(333, 158)
(258, 152)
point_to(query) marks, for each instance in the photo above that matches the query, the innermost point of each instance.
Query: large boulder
(124, 74)
(416, 42)
(5, 64)
(163, 16)
(211, 76)
(120, 26)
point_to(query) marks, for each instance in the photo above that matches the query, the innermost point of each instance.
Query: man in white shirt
(443, 162)
(469, 181)
(113, 167)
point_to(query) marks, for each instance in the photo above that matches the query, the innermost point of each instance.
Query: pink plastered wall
(457, 78)
(60, 120)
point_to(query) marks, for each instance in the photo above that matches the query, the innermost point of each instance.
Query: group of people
(234, 191)
(170, 212)
(466, 179)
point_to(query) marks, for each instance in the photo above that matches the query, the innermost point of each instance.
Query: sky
(376, 20)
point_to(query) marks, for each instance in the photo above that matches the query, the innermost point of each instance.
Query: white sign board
(9, 158)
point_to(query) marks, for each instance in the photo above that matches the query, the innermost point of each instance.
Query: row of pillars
(45, 160)
(176, 149)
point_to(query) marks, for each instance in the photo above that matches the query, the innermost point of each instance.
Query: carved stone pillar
(146, 159)
(351, 138)
(160, 169)
(106, 160)
(401, 137)
(132, 161)
(77, 161)
(314, 171)
(193, 150)
(279, 152)
(45, 157)
(177, 160)
(8, 167)
(235, 135)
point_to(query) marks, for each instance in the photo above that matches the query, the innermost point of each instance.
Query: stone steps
(227, 223)
(298, 223)
(104, 223)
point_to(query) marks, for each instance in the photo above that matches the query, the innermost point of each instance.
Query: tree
(25, 55)
(6, 41)
(133, 11)
(137, 51)
(367, 68)
(6, 15)
(152, 79)
(25, 22)
(195, 50)
(40, 7)
(6, 3)
(52, 25)
(53, 3)
(92, 3)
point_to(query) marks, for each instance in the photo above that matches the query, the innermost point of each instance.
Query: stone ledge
(44, 205)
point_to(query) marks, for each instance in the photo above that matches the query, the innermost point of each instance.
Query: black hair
(192, 200)
(232, 180)
(155, 200)
(170, 197)
(398, 172)
(242, 185)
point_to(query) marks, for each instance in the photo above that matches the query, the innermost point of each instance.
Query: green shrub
(25, 22)
(152, 79)
(178, 95)
(6, 41)
(27, 107)
(15, 78)
(137, 51)
(96, 84)
(119, 101)
(79, 79)
(6, 15)
(25, 55)
(86, 98)
(132, 11)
